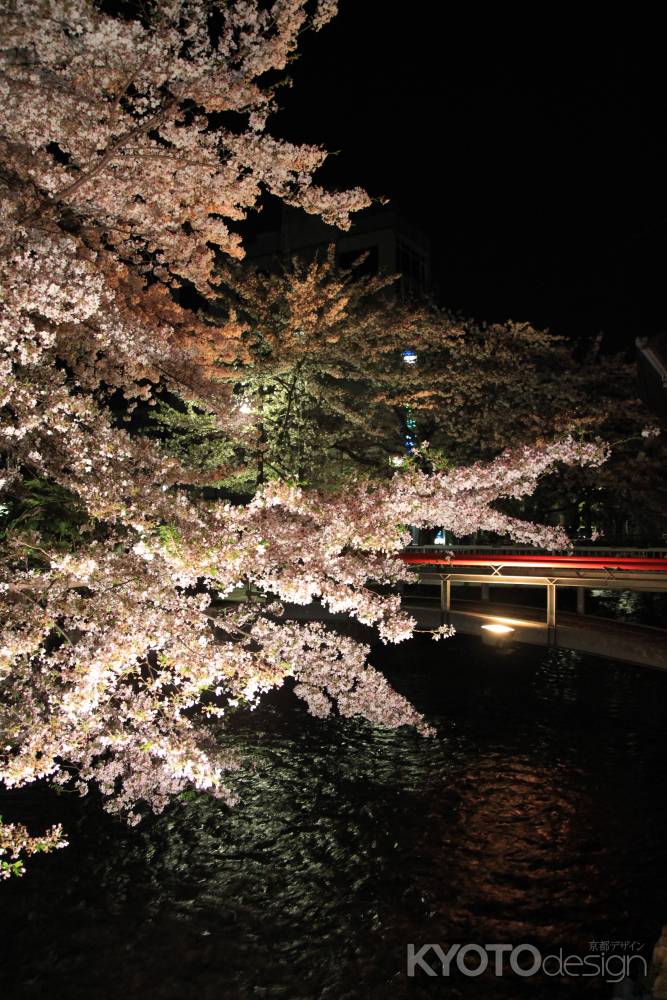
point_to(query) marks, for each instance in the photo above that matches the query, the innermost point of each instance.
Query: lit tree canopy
(325, 392)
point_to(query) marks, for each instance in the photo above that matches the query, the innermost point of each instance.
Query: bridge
(496, 568)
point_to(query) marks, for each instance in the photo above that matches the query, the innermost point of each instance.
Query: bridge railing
(620, 551)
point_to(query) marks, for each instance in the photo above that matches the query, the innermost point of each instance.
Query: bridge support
(445, 599)
(581, 600)
(551, 604)
(486, 592)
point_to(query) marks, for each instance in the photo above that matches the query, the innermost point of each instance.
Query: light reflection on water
(536, 815)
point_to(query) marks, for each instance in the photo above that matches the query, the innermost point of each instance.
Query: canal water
(537, 815)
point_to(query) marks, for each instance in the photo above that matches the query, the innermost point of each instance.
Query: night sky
(537, 167)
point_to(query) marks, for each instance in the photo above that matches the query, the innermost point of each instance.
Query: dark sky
(537, 166)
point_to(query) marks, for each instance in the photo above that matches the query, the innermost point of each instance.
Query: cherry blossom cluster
(16, 843)
(116, 121)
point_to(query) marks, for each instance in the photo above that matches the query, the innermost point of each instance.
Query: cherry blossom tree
(130, 145)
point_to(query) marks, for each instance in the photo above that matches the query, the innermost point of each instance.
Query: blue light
(409, 357)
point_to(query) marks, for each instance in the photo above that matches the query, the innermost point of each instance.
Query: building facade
(390, 244)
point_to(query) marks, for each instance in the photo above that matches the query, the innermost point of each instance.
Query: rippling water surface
(538, 814)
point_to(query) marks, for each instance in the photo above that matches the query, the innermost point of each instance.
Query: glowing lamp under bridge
(495, 628)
